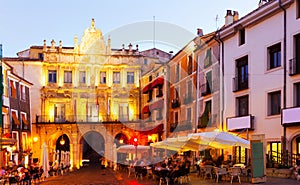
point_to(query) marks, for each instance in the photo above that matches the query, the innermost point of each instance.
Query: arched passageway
(92, 146)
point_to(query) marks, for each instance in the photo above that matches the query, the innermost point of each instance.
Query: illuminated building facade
(82, 93)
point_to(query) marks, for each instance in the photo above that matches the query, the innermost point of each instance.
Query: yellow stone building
(86, 98)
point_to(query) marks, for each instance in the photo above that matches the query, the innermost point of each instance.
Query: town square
(162, 106)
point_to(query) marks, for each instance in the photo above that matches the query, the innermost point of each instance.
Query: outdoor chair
(207, 171)
(235, 172)
(163, 176)
(220, 172)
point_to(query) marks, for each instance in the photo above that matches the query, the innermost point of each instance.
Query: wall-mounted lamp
(35, 139)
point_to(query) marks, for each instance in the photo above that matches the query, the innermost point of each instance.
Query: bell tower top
(92, 41)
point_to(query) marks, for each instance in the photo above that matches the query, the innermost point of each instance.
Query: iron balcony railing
(239, 84)
(86, 118)
(181, 126)
(294, 67)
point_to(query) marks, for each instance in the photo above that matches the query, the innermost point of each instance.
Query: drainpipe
(284, 81)
(221, 47)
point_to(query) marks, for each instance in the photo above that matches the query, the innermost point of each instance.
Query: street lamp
(62, 141)
(135, 143)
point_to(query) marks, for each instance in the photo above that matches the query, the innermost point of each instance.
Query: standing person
(103, 165)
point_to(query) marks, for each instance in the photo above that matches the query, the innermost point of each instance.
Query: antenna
(217, 20)
(153, 31)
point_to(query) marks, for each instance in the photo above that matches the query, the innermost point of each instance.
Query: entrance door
(123, 112)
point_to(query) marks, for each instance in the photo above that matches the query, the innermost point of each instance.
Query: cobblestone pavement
(95, 176)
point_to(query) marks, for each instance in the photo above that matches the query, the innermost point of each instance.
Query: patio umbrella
(132, 149)
(182, 143)
(45, 160)
(219, 139)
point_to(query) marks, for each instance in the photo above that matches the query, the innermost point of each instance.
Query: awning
(15, 119)
(157, 105)
(158, 82)
(25, 122)
(147, 88)
(153, 130)
(146, 109)
(4, 110)
(8, 141)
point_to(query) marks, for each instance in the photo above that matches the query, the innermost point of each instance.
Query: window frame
(242, 73)
(242, 36)
(116, 77)
(240, 104)
(272, 105)
(102, 77)
(52, 76)
(274, 56)
(68, 77)
(82, 77)
(23, 92)
(130, 77)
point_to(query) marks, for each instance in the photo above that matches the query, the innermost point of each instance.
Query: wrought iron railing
(86, 118)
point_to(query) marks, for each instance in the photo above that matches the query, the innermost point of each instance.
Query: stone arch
(292, 141)
(92, 146)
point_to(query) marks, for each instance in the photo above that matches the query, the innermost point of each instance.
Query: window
(242, 36)
(240, 155)
(15, 119)
(59, 112)
(24, 120)
(298, 9)
(190, 65)
(207, 60)
(68, 77)
(145, 61)
(23, 92)
(241, 79)
(116, 77)
(274, 103)
(52, 76)
(274, 57)
(205, 119)
(274, 151)
(102, 77)
(13, 90)
(297, 94)
(242, 106)
(177, 72)
(41, 56)
(24, 141)
(130, 77)
(82, 77)
(15, 135)
(189, 114)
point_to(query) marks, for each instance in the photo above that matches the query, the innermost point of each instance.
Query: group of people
(20, 174)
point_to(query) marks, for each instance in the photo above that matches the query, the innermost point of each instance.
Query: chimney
(228, 18)
(199, 32)
(235, 16)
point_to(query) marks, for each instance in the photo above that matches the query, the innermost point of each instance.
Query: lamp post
(135, 143)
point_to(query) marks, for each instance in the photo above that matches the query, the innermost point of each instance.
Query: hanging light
(62, 141)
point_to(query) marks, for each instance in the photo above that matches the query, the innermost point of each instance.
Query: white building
(260, 54)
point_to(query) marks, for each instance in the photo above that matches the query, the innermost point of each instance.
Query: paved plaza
(93, 175)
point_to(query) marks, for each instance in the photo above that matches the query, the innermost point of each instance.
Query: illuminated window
(82, 77)
(116, 77)
(102, 77)
(52, 76)
(24, 141)
(68, 77)
(275, 151)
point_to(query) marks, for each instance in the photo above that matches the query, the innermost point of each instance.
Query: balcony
(239, 84)
(87, 118)
(205, 89)
(240, 123)
(181, 126)
(291, 116)
(175, 103)
(294, 67)
(188, 98)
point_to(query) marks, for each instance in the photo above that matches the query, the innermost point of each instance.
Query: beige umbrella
(132, 149)
(45, 160)
(219, 139)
